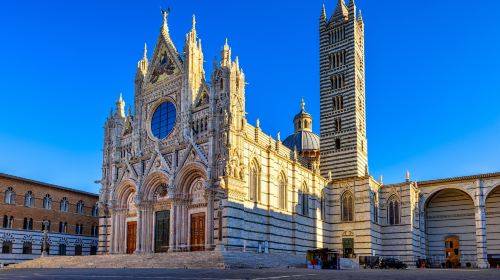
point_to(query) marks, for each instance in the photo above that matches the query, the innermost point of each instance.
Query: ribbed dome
(302, 141)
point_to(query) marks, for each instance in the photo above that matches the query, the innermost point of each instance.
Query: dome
(302, 141)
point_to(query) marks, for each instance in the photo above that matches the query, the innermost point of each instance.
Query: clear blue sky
(432, 69)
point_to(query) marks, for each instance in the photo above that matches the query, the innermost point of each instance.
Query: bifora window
(163, 120)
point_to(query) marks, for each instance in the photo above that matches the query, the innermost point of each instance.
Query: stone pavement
(256, 274)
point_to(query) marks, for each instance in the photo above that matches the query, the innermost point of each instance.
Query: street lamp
(44, 245)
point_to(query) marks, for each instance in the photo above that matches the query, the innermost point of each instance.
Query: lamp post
(44, 245)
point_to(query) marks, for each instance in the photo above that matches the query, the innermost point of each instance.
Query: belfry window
(337, 143)
(338, 124)
(347, 207)
(338, 103)
(393, 211)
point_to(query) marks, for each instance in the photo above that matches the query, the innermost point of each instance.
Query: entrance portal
(162, 231)
(131, 237)
(198, 232)
(452, 250)
(348, 247)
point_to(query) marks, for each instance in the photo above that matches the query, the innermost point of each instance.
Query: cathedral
(185, 171)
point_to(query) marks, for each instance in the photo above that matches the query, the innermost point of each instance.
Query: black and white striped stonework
(343, 128)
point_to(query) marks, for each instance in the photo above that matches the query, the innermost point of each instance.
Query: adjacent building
(29, 207)
(185, 170)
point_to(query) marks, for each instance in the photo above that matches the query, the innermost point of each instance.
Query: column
(171, 238)
(481, 245)
(112, 243)
(210, 220)
(138, 240)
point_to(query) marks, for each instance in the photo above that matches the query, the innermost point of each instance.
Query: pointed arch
(304, 199)
(154, 181)
(393, 210)
(347, 206)
(254, 181)
(282, 191)
(123, 193)
(187, 175)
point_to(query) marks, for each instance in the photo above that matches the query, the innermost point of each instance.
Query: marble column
(171, 238)
(481, 244)
(210, 219)
(112, 245)
(139, 236)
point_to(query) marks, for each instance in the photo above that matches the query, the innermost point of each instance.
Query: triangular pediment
(165, 63)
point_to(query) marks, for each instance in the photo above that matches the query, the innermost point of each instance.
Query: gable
(165, 63)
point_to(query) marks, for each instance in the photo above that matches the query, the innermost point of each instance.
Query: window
(47, 202)
(375, 207)
(46, 224)
(78, 250)
(62, 249)
(95, 210)
(254, 180)
(337, 59)
(63, 227)
(79, 207)
(337, 81)
(282, 192)
(29, 200)
(337, 34)
(393, 211)
(8, 221)
(64, 205)
(338, 103)
(338, 124)
(95, 230)
(337, 143)
(28, 224)
(304, 201)
(323, 205)
(79, 229)
(7, 247)
(347, 207)
(10, 196)
(163, 120)
(27, 248)
(93, 250)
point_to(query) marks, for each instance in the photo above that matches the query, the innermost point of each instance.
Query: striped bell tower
(344, 150)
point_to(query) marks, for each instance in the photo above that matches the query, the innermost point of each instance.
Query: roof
(47, 185)
(302, 140)
(461, 178)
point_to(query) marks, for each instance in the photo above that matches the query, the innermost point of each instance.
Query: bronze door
(198, 232)
(131, 237)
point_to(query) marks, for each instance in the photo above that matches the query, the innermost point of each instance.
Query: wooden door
(452, 250)
(131, 237)
(198, 232)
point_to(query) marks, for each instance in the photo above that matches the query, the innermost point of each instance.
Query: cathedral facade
(185, 171)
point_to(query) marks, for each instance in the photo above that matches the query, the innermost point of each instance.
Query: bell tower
(342, 92)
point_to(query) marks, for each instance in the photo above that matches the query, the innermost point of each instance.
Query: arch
(47, 202)
(428, 197)
(123, 192)
(29, 199)
(64, 205)
(10, 196)
(450, 212)
(492, 207)
(151, 184)
(187, 175)
(347, 206)
(393, 210)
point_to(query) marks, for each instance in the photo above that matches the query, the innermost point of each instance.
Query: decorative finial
(145, 51)
(279, 137)
(226, 45)
(303, 104)
(381, 181)
(407, 176)
(165, 13)
(194, 22)
(257, 123)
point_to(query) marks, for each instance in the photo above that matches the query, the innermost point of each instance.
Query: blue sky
(432, 77)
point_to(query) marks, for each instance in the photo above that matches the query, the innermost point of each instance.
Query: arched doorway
(123, 218)
(450, 228)
(492, 205)
(131, 224)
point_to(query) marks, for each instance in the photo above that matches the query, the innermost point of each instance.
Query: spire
(360, 17)
(226, 55)
(340, 12)
(322, 16)
(120, 107)
(303, 104)
(193, 24)
(407, 176)
(145, 57)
